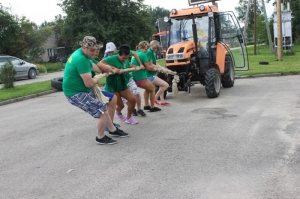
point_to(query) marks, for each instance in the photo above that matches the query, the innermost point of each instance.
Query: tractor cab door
(231, 34)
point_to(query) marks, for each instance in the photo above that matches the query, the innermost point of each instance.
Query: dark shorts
(88, 103)
(108, 94)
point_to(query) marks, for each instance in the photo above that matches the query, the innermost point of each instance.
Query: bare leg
(111, 107)
(120, 104)
(146, 98)
(102, 121)
(149, 87)
(138, 101)
(162, 87)
(127, 94)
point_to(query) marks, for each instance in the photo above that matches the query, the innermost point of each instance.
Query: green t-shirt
(116, 82)
(127, 75)
(140, 74)
(77, 64)
(152, 57)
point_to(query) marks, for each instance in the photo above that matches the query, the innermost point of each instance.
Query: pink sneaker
(120, 116)
(165, 103)
(131, 121)
(157, 103)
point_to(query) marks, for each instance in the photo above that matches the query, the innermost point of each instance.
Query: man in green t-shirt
(78, 84)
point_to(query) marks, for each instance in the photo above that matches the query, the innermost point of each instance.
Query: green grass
(24, 90)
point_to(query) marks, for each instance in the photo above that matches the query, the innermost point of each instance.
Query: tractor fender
(222, 50)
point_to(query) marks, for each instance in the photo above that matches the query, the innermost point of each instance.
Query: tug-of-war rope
(104, 99)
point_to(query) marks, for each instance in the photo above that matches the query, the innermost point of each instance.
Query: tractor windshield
(181, 29)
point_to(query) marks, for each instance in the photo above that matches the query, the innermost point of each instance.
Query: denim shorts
(88, 103)
(151, 78)
(108, 94)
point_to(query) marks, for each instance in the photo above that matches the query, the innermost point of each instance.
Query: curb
(26, 97)
(263, 75)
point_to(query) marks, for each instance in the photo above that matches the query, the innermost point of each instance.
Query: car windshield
(181, 29)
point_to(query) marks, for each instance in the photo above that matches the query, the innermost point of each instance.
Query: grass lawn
(24, 90)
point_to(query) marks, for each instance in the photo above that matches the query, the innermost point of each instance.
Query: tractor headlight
(174, 11)
(210, 14)
(202, 7)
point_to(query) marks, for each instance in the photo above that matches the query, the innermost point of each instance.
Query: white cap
(110, 46)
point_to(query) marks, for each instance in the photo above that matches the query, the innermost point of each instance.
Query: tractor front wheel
(212, 83)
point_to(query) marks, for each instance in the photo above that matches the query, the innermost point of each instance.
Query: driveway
(243, 144)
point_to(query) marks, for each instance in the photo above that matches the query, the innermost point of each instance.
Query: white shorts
(133, 88)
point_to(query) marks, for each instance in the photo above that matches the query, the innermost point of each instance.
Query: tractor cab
(206, 46)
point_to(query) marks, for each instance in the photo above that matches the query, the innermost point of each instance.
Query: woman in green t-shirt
(140, 77)
(163, 85)
(117, 83)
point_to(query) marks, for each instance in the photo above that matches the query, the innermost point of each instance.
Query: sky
(39, 11)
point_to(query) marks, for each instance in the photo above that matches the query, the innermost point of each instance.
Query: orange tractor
(206, 46)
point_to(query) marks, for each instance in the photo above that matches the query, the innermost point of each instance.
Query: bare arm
(88, 80)
(103, 65)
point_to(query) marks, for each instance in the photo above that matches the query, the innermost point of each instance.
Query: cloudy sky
(39, 11)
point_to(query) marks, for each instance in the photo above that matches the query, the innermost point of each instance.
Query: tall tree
(120, 21)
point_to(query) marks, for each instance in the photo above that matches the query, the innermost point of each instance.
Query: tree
(19, 36)
(241, 12)
(120, 21)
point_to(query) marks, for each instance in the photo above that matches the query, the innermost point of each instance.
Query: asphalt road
(243, 144)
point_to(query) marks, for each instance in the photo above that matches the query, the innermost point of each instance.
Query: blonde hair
(142, 45)
(155, 43)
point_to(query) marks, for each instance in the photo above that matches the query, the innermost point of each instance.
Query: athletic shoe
(134, 113)
(118, 133)
(116, 125)
(147, 107)
(154, 109)
(131, 121)
(105, 140)
(120, 116)
(165, 103)
(157, 103)
(141, 112)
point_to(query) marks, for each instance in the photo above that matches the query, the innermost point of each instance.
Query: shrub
(42, 68)
(8, 75)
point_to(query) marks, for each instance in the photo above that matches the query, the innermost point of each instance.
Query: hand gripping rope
(97, 90)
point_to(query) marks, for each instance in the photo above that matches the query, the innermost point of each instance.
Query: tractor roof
(193, 11)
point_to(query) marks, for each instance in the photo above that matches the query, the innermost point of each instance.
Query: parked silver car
(23, 68)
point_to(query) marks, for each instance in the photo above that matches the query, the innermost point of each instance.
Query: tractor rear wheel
(228, 76)
(212, 83)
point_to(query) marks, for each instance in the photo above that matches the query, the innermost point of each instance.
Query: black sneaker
(147, 107)
(154, 109)
(118, 133)
(141, 112)
(134, 113)
(105, 140)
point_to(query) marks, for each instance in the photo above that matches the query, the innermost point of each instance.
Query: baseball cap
(110, 46)
(90, 42)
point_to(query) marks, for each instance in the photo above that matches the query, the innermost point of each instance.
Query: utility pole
(254, 27)
(247, 18)
(279, 31)
(268, 27)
